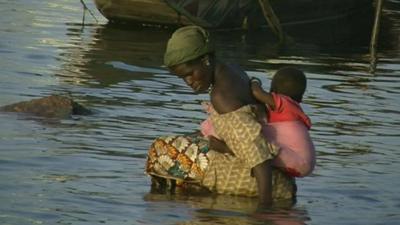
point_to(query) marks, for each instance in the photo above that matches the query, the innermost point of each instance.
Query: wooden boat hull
(140, 12)
(289, 12)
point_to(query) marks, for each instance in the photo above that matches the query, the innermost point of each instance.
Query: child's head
(289, 81)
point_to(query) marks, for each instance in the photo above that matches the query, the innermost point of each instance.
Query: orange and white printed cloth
(182, 158)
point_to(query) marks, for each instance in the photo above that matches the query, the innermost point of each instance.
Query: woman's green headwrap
(187, 43)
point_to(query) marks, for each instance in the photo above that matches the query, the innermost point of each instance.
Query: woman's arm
(261, 171)
(219, 146)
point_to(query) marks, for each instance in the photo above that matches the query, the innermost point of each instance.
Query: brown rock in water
(53, 106)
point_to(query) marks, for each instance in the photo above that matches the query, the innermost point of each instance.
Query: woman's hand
(219, 146)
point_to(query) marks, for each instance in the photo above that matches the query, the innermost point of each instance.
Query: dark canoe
(232, 13)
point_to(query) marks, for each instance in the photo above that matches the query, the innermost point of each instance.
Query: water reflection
(220, 209)
(94, 58)
(93, 51)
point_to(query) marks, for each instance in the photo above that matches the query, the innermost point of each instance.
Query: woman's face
(196, 75)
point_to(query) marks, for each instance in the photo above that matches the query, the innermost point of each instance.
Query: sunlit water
(89, 169)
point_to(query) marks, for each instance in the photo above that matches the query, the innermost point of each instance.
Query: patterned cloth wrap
(181, 158)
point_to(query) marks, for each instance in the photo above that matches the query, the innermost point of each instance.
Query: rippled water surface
(89, 169)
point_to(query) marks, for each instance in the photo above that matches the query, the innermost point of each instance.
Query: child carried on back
(284, 124)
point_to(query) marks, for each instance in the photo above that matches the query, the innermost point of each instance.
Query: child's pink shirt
(286, 109)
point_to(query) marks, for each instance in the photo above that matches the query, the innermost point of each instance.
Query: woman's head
(289, 81)
(186, 44)
(190, 55)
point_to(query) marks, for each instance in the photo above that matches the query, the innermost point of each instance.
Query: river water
(89, 169)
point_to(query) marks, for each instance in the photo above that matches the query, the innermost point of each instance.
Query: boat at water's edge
(232, 13)
(155, 12)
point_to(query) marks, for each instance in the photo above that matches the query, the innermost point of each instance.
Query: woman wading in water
(195, 159)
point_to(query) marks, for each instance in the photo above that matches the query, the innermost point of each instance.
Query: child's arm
(260, 94)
